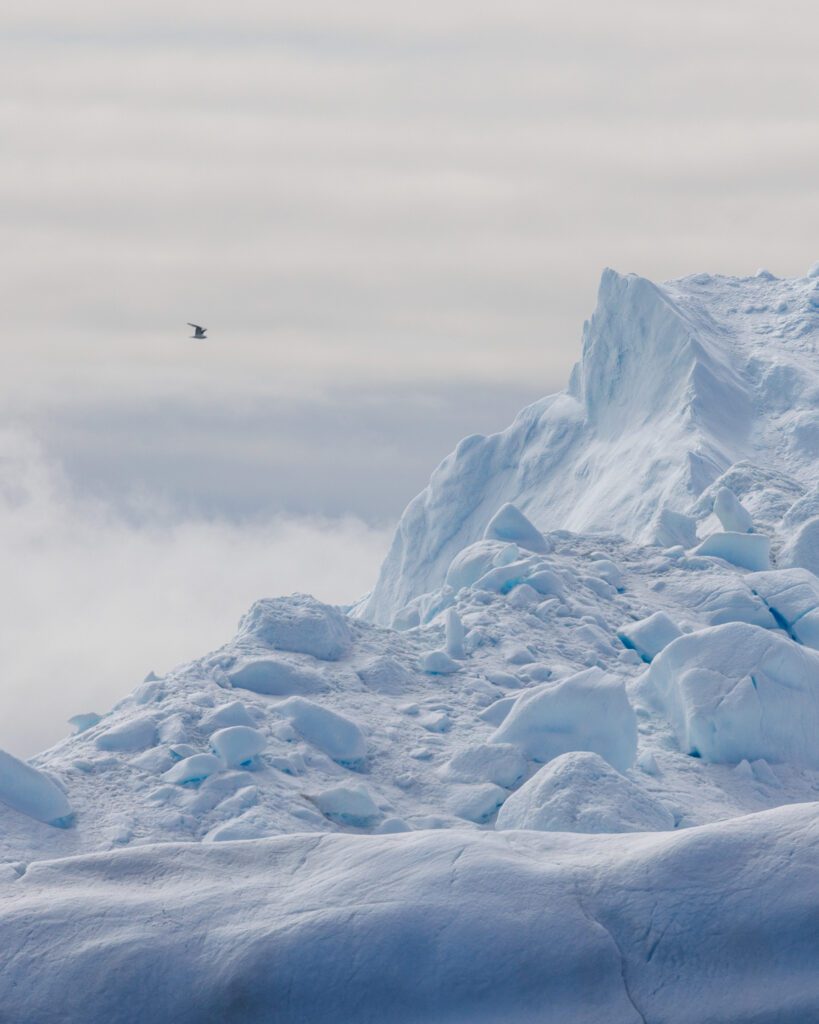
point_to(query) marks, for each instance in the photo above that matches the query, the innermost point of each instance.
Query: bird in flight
(199, 332)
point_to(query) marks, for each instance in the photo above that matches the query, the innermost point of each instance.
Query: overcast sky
(392, 218)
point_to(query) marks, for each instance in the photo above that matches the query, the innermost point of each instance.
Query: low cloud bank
(90, 602)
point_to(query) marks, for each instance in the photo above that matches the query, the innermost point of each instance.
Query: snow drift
(717, 924)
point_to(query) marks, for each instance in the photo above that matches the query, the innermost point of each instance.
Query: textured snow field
(561, 765)
(373, 718)
(715, 924)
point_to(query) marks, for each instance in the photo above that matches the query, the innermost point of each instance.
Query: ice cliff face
(677, 386)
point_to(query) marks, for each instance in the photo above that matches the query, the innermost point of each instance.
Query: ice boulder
(793, 598)
(804, 508)
(338, 736)
(178, 751)
(232, 713)
(438, 663)
(135, 734)
(737, 691)
(193, 769)
(31, 792)
(348, 805)
(747, 550)
(79, 723)
(730, 511)
(243, 827)
(610, 572)
(580, 792)
(173, 729)
(503, 578)
(386, 674)
(546, 583)
(649, 636)
(298, 623)
(801, 549)
(390, 826)
(671, 528)
(148, 692)
(510, 524)
(499, 763)
(585, 711)
(237, 745)
(455, 634)
(477, 803)
(435, 721)
(474, 561)
(497, 710)
(507, 554)
(276, 677)
(407, 617)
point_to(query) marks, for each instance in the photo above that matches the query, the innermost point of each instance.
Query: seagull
(199, 331)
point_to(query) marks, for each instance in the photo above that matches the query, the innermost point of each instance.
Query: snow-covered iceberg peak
(677, 385)
(647, 359)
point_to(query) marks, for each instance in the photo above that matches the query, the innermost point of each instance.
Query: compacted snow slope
(603, 621)
(715, 924)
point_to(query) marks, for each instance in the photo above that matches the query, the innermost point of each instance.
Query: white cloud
(89, 603)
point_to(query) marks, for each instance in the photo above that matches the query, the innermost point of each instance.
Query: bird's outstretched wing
(196, 326)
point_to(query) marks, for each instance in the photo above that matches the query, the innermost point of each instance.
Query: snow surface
(716, 924)
(792, 595)
(604, 619)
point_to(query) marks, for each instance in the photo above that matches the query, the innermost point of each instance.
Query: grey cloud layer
(90, 601)
(381, 192)
(347, 451)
